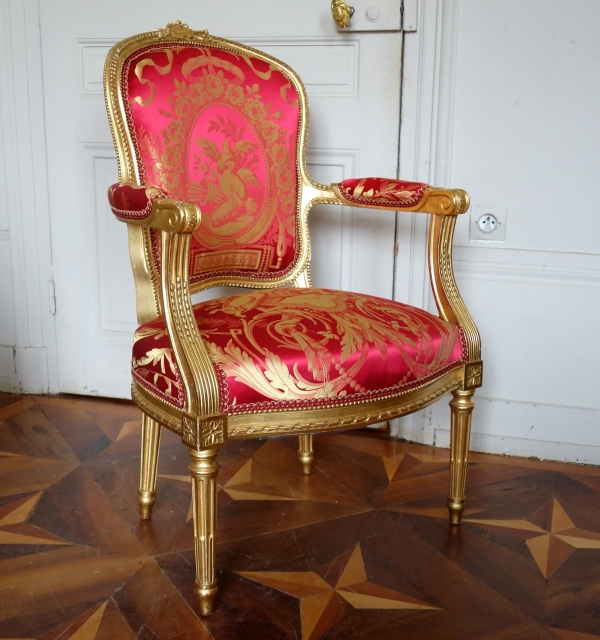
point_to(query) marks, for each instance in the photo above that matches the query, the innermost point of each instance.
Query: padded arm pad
(382, 192)
(130, 202)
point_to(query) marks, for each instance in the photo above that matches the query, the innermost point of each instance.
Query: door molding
(424, 156)
(24, 138)
(425, 135)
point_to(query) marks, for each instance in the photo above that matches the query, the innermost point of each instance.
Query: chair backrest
(220, 124)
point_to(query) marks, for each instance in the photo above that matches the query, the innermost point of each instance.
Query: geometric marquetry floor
(359, 549)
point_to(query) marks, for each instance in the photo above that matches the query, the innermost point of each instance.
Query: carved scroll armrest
(133, 203)
(395, 195)
(151, 207)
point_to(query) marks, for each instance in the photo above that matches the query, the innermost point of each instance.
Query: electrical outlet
(488, 223)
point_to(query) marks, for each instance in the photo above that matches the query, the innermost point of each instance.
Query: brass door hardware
(341, 13)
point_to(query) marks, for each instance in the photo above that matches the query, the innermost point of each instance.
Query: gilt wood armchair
(211, 138)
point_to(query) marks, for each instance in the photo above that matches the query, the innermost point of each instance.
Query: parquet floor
(360, 549)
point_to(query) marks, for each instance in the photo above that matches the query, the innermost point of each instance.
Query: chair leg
(149, 466)
(461, 407)
(305, 453)
(204, 469)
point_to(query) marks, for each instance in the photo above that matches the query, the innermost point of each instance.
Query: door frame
(425, 135)
(428, 84)
(22, 120)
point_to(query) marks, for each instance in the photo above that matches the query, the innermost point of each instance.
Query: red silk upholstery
(221, 130)
(286, 348)
(382, 192)
(130, 201)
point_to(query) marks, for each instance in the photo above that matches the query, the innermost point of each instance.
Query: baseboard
(550, 432)
(7, 385)
(7, 368)
(31, 370)
(526, 448)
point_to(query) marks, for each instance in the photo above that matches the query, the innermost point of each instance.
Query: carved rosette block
(150, 445)
(461, 407)
(305, 453)
(203, 434)
(473, 375)
(204, 469)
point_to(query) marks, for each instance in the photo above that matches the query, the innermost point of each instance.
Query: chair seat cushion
(286, 348)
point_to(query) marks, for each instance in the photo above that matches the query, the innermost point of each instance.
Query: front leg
(461, 407)
(204, 469)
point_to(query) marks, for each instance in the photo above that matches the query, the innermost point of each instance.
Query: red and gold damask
(287, 348)
(219, 129)
(382, 192)
(132, 202)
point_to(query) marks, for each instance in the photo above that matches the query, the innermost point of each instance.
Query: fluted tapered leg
(461, 407)
(150, 445)
(305, 453)
(204, 469)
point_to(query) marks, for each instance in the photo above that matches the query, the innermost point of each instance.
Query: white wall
(523, 131)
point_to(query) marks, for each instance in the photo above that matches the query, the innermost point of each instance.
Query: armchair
(210, 138)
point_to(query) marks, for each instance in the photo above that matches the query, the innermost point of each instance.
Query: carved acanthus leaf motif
(180, 30)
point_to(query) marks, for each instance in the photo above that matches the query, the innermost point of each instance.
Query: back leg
(305, 453)
(149, 465)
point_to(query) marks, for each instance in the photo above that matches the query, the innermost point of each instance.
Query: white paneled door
(353, 82)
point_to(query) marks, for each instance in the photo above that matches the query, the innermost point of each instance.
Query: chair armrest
(151, 207)
(444, 205)
(201, 387)
(132, 203)
(395, 195)
(141, 206)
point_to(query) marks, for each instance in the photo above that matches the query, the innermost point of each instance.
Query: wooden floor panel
(359, 549)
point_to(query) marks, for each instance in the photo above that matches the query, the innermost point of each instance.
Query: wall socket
(488, 223)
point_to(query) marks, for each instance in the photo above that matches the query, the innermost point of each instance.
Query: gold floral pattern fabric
(221, 130)
(153, 364)
(382, 192)
(288, 348)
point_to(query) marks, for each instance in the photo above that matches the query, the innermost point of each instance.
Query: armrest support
(150, 207)
(450, 304)
(203, 426)
(395, 195)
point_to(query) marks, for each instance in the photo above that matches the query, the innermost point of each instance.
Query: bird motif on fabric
(232, 181)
